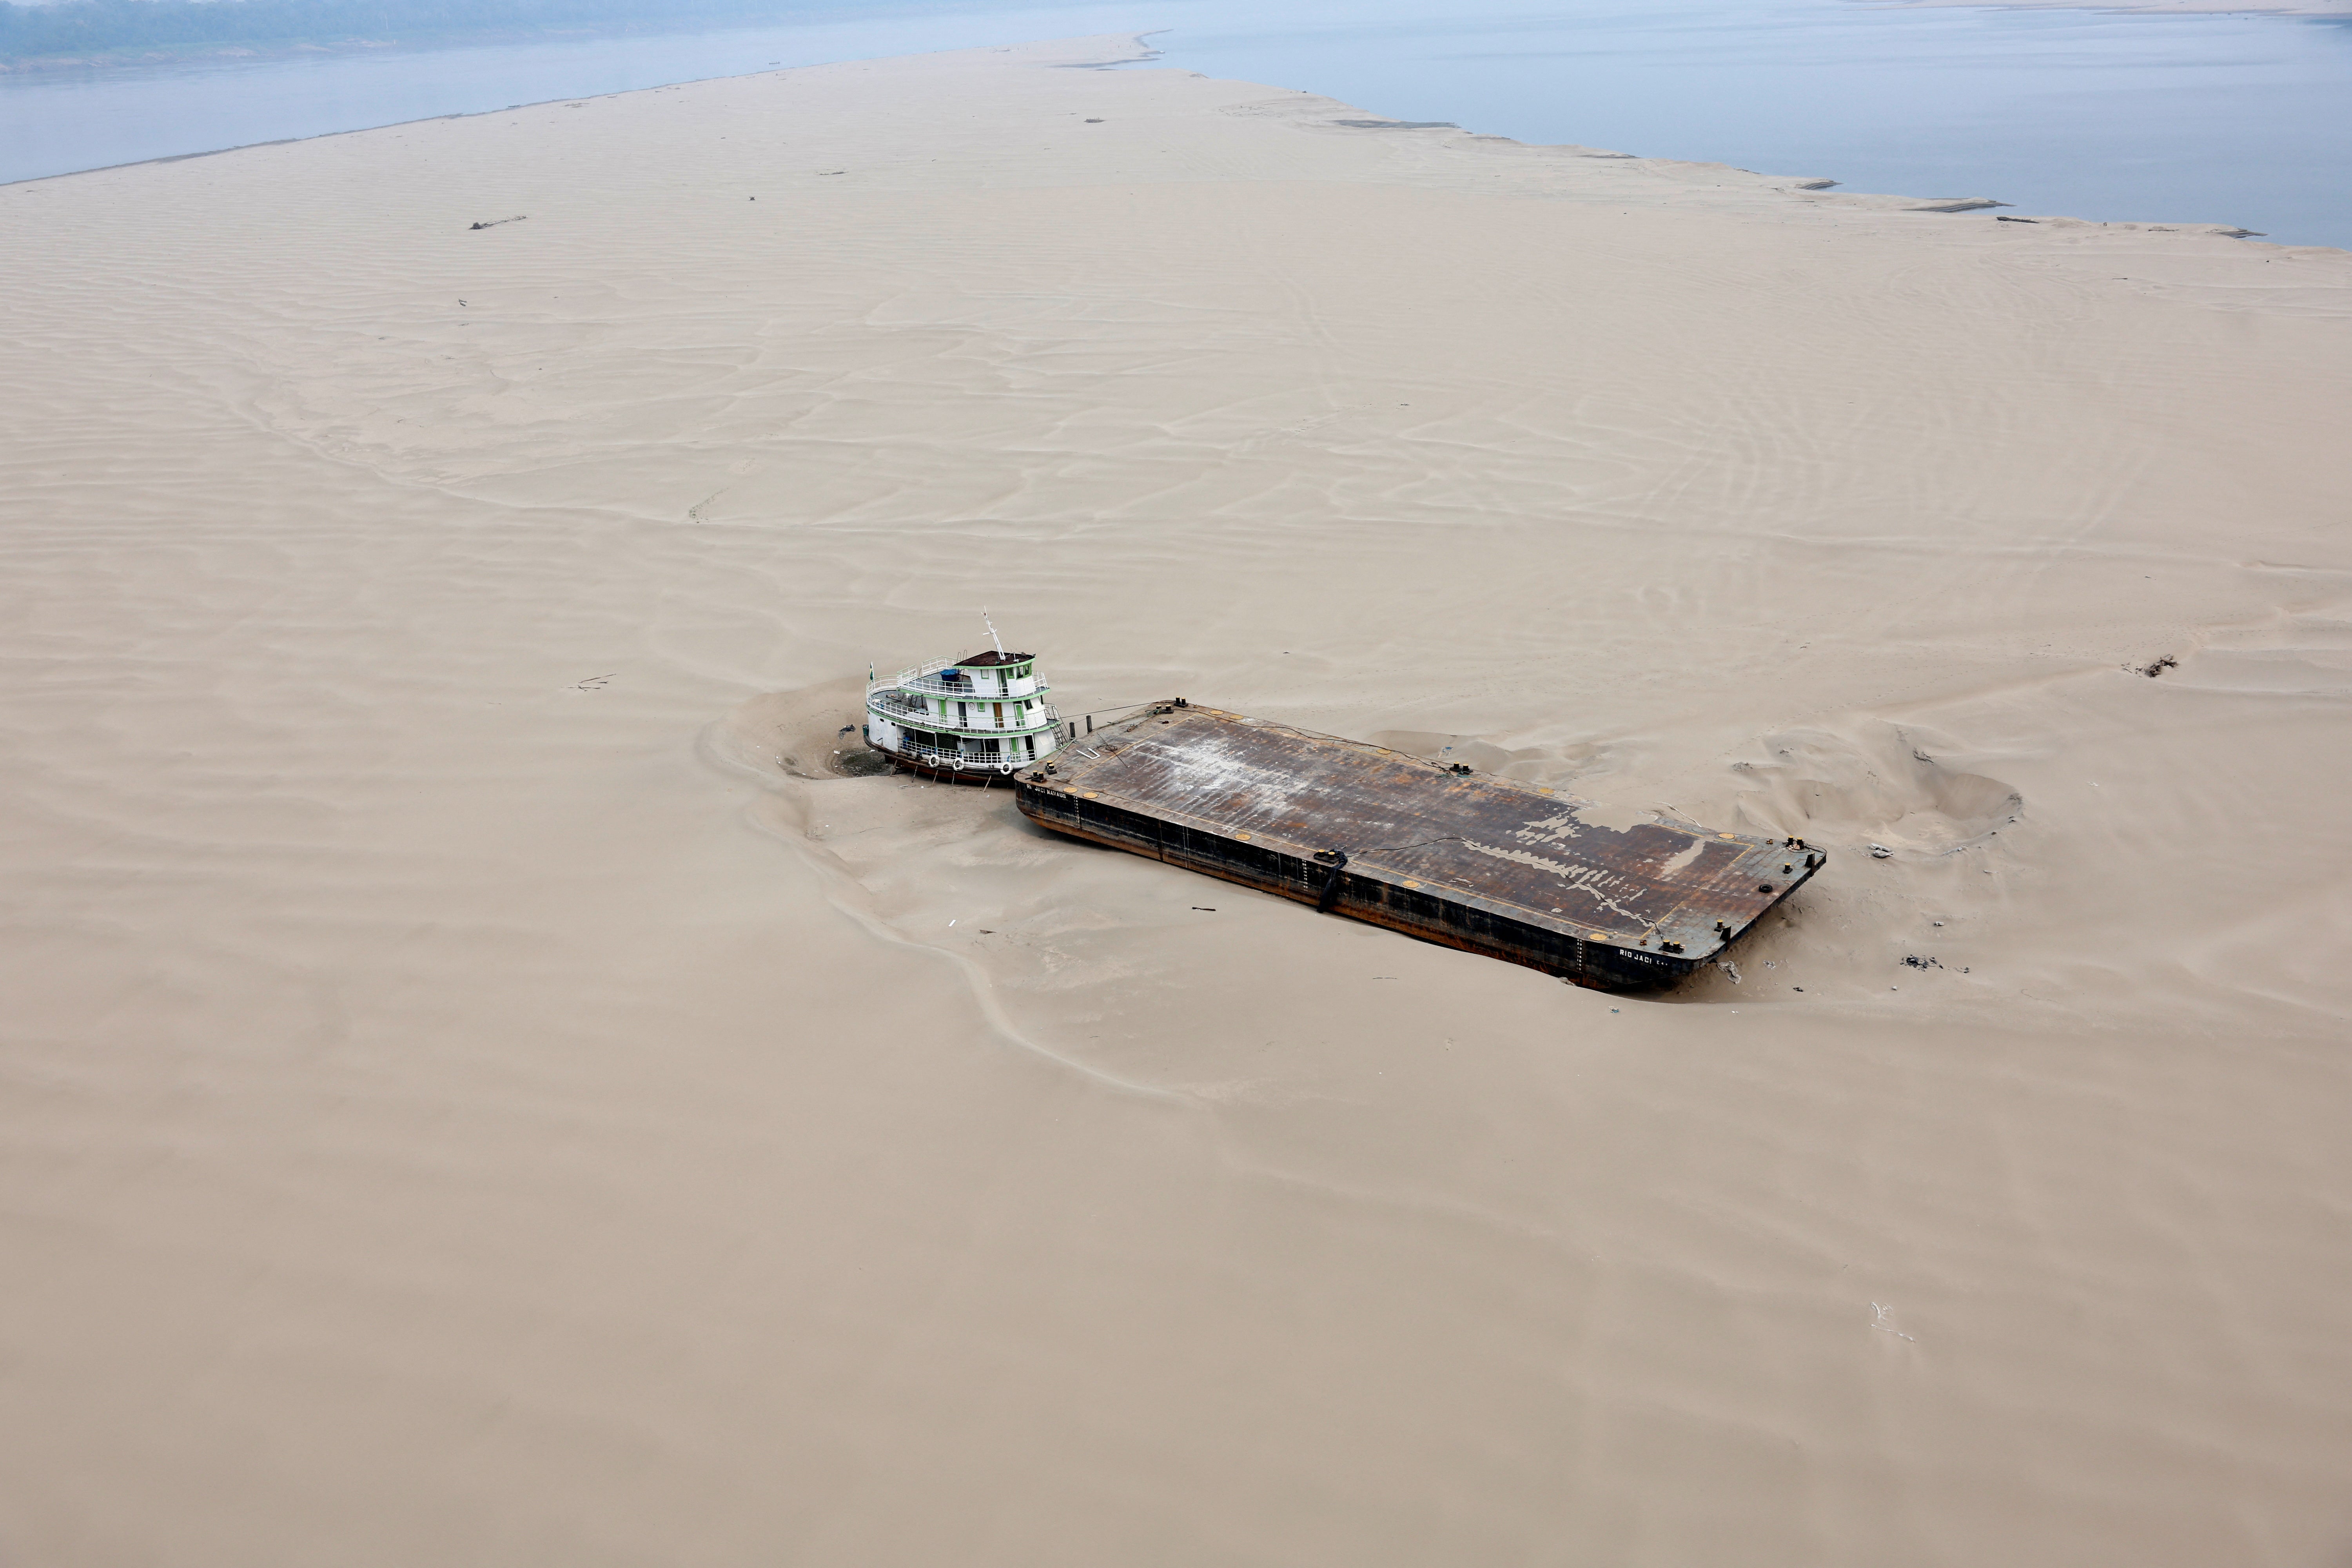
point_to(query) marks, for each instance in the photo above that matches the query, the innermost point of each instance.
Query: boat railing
(940, 757)
(908, 677)
(890, 706)
(1042, 716)
(926, 678)
(1010, 691)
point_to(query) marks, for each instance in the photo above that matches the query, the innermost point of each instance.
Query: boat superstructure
(971, 720)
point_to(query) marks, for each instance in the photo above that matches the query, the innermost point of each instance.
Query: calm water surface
(2190, 118)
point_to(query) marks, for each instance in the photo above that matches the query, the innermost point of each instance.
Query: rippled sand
(480, 1088)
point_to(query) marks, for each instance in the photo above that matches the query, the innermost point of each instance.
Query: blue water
(2232, 118)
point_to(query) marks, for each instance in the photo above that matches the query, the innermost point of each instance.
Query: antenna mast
(992, 629)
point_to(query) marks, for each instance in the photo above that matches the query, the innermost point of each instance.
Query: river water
(2221, 119)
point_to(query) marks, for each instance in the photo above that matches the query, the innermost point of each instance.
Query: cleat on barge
(1489, 865)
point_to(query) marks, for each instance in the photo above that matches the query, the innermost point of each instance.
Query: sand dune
(483, 1087)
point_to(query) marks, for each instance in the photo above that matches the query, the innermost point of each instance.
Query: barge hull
(1445, 922)
(1487, 865)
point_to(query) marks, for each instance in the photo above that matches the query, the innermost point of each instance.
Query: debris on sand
(2157, 669)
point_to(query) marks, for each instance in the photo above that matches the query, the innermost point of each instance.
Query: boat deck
(1492, 865)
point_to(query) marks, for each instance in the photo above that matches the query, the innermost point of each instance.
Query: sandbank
(481, 1088)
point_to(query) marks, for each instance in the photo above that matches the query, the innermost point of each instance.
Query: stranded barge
(1489, 865)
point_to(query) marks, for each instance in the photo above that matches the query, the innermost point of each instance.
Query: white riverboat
(971, 720)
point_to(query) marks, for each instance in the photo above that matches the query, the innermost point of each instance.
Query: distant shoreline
(230, 52)
(546, 65)
(81, 36)
(151, 58)
(207, 54)
(363, 130)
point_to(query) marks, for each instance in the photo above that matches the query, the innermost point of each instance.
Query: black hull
(1431, 918)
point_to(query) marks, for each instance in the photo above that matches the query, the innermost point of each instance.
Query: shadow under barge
(1488, 865)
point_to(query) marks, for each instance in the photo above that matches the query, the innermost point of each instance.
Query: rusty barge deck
(1489, 865)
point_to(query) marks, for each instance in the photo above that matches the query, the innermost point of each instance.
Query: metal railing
(908, 677)
(938, 687)
(1043, 716)
(939, 757)
(923, 677)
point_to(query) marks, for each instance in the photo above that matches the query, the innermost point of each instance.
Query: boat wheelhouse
(973, 720)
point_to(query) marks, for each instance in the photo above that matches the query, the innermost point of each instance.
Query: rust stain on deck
(1475, 861)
